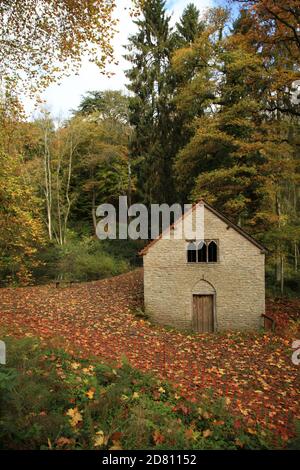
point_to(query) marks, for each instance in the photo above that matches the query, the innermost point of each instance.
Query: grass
(51, 400)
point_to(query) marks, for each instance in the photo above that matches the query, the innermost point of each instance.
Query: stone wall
(237, 280)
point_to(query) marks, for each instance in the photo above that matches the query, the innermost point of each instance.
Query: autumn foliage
(40, 41)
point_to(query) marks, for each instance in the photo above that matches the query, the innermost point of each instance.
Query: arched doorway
(204, 307)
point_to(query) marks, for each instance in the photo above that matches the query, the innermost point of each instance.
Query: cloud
(61, 98)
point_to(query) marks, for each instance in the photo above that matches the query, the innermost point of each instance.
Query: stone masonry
(237, 279)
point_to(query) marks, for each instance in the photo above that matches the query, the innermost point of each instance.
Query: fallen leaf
(90, 393)
(64, 441)
(251, 431)
(100, 439)
(75, 416)
(158, 438)
(75, 365)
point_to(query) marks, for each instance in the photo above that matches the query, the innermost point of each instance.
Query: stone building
(213, 284)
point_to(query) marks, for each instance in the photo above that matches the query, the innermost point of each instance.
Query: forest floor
(252, 371)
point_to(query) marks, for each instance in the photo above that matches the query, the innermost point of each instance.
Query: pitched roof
(221, 216)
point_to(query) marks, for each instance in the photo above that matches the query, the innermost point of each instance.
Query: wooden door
(203, 313)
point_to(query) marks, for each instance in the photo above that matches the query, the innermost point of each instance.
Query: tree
(67, 140)
(274, 25)
(21, 228)
(104, 169)
(277, 22)
(189, 25)
(242, 155)
(108, 104)
(150, 110)
(195, 71)
(46, 128)
(39, 41)
(52, 171)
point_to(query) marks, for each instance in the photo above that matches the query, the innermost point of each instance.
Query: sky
(65, 96)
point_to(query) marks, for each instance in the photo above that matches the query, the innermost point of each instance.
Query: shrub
(79, 260)
(79, 264)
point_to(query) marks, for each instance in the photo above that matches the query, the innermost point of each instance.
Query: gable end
(221, 216)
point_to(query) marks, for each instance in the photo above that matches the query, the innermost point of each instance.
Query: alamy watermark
(2, 352)
(296, 353)
(295, 98)
(140, 222)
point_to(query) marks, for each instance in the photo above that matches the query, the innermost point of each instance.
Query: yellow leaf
(161, 390)
(90, 393)
(75, 416)
(207, 433)
(100, 439)
(135, 395)
(251, 431)
(75, 365)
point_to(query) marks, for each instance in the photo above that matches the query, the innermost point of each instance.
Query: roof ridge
(218, 214)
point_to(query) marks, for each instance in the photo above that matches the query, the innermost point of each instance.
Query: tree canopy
(41, 40)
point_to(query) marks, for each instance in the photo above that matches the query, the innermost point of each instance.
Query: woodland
(211, 111)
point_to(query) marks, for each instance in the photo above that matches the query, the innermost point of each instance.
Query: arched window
(202, 252)
(212, 252)
(191, 253)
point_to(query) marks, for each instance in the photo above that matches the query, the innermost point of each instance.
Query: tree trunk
(278, 255)
(48, 183)
(129, 184)
(281, 275)
(67, 213)
(59, 237)
(94, 210)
